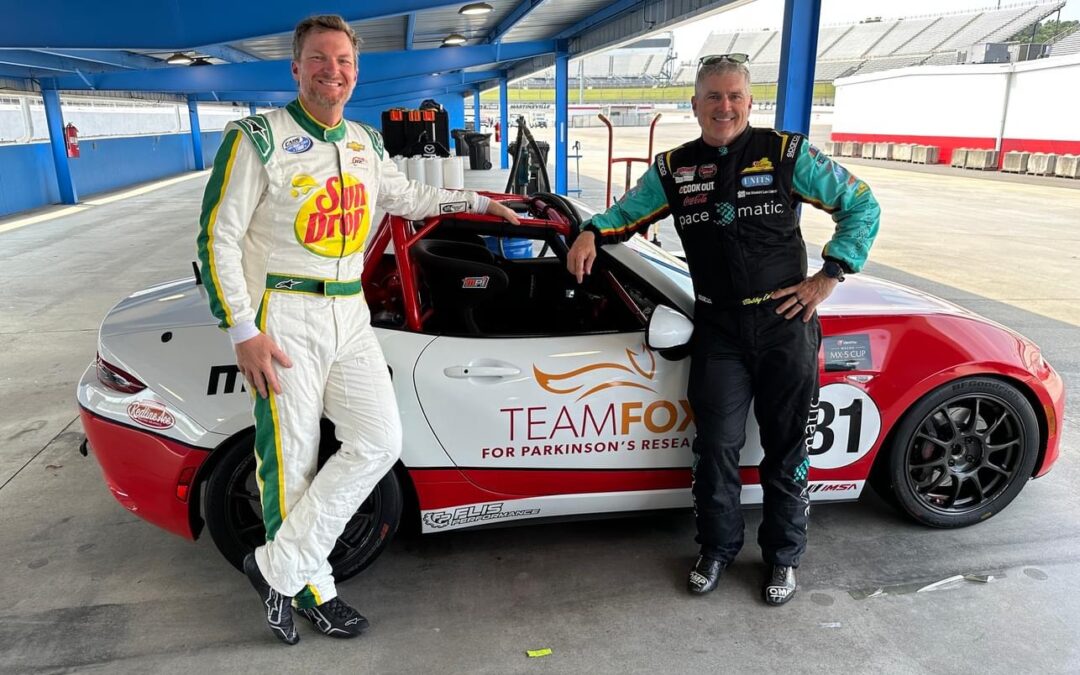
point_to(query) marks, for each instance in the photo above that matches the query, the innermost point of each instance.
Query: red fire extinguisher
(497, 130)
(71, 138)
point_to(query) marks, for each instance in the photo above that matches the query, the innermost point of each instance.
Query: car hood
(169, 305)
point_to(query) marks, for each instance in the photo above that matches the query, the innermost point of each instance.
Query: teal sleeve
(640, 207)
(820, 181)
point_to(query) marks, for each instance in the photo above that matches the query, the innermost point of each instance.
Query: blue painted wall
(28, 178)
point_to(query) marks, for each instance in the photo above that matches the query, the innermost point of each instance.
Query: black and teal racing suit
(735, 210)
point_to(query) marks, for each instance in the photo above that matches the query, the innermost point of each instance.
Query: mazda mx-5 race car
(526, 396)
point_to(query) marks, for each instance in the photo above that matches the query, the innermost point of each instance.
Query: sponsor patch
(758, 180)
(704, 298)
(696, 187)
(839, 172)
(453, 207)
(296, 144)
(743, 194)
(287, 284)
(334, 219)
(475, 282)
(358, 161)
(793, 147)
(693, 218)
(725, 213)
(661, 167)
(694, 200)
(355, 146)
(766, 209)
(151, 414)
(685, 174)
(707, 170)
(763, 164)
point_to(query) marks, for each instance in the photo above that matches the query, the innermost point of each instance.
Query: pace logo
(693, 218)
(296, 144)
(573, 381)
(334, 219)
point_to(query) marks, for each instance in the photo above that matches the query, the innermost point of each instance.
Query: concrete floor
(88, 586)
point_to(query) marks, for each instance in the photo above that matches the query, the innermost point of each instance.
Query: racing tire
(233, 512)
(962, 453)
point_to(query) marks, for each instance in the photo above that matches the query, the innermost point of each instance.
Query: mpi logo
(334, 219)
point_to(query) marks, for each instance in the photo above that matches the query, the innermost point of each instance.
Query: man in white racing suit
(284, 220)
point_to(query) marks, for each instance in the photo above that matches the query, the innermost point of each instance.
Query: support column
(562, 63)
(253, 109)
(504, 125)
(196, 132)
(798, 54)
(476, 110)
(455, 113)
(55, 121)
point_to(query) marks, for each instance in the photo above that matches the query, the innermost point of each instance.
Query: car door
(560, 414)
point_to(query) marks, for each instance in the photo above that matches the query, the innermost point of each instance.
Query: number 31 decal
(847, 426)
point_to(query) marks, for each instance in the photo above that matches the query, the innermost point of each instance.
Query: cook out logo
(334, 219)
(574, 380)
(151, 414)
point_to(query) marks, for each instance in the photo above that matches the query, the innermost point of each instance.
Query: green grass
(760, 92)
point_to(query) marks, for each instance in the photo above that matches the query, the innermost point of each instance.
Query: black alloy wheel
(233, 511)
(963, 452)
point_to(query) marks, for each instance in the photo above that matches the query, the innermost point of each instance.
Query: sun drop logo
(334, 219)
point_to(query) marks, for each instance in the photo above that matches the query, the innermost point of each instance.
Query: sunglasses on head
(720, 58)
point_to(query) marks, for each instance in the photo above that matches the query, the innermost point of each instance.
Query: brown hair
(320, 23)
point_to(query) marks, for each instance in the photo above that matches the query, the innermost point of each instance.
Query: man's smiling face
(721, 104)
(326, 70)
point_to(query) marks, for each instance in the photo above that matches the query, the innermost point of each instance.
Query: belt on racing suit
(298, 284)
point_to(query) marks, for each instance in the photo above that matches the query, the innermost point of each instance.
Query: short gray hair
(319, 24)
(721, 68)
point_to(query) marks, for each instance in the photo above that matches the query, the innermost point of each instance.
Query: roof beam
(27, 58)
(108, 57)
(410, 30)
(276, 75)
(227, 53)
(524, 8)
(175, 24)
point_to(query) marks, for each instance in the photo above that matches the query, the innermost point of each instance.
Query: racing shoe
(780, 586)
(278, 607)
(704, 575)
(335, 618)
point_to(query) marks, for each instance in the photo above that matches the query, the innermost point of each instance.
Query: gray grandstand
(870, 46)
(874, 45)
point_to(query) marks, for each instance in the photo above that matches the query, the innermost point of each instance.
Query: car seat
(461, 277)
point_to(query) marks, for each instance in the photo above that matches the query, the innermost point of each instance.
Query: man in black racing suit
(733, 194)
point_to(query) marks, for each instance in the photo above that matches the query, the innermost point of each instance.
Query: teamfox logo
(578, 378)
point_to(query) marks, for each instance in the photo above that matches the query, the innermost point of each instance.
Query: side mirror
(669, 332)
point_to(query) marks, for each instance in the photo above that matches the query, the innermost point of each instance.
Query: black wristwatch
(833, 270)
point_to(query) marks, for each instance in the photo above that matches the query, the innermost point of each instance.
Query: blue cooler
(512, 247)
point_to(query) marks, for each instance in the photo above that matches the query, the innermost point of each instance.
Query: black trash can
(461, 148)
(479, 150)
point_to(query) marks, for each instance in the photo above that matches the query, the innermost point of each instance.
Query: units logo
(760, 180)
(763, 164)
(334, 219)
(574, 380)
(151, 414)
(296, 144)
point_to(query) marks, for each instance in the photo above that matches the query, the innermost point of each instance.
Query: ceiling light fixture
(454, 40)
(475, 9)
(200, 61)
(178, 59)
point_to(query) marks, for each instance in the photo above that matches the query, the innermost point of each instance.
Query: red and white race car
(525, 396)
